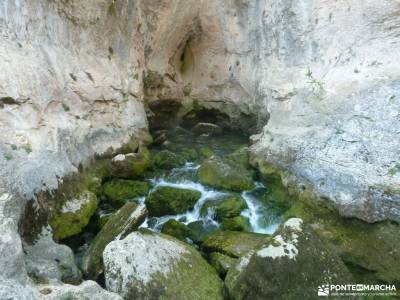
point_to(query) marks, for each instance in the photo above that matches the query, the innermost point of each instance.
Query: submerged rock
(206, 128)
(233, 243)
(147, 265)
(167, 200)
(224, 174)
(200, 230)
(118, 191)
(238, 223)
(124, 221)
(222, 208)
(166, 159)
(74, 215)
(176, 229)
(46, 260)
(131, 165)
(290, 266)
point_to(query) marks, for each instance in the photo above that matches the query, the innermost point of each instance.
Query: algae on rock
(125, 220)
(167, 200)
(118, 191)
(219, 173)
(74, 215)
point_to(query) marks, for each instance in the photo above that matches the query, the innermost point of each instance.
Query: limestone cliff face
(329, 75)
(323, 77)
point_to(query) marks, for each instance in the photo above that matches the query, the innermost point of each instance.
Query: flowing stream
(262, 218)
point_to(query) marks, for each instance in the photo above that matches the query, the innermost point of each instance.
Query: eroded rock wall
(329, 74)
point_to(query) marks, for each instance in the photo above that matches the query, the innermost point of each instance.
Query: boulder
(238, 223)
(200, 230)
(221, 208)
(234, 243)
(206, 128)
(221, 262)
(360, 245)
(176, 229)
(74, 215)
(219, 173)
(124, 221)
(118, 191)
(167, 200)
(11, 289)
(148, 265)
(290, 266)
(87, 290)
(131, 165)
(166, 159)
(46, 260)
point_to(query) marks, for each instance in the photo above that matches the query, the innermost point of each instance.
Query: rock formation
(317, 82)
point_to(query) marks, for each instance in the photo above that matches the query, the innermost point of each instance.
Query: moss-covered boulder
(176, 229)
(221, 262)
(124, 221)
(118, 191)
(148, 265)
(234, 243)
(131, 165)
(238, 223)
(167, 200)
(222, 208)
(241, 157)
(166, 159)
(225, 174)
(74, 215)
(200, 230)
(289, 266)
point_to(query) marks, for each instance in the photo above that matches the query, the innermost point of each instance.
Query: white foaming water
(255, 212)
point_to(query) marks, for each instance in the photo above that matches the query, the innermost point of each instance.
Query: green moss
(238, 223)
(166, 159)
(189, 277)
(220, 173)
(120, 222)
(171, 201)
(118, 191)
(228, 207)
(221, 263)
(152, 79)
(14, 147)
(234, 243)
(176, 229)
(66, 224)
(199, 231)
(133, 166)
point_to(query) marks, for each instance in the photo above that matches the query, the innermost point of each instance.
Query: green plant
(316, 86)
(8, 156)
(14, 147)
(394, 169)
(136, 76)
(27, 147)
(339, 131)
(65, 107)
